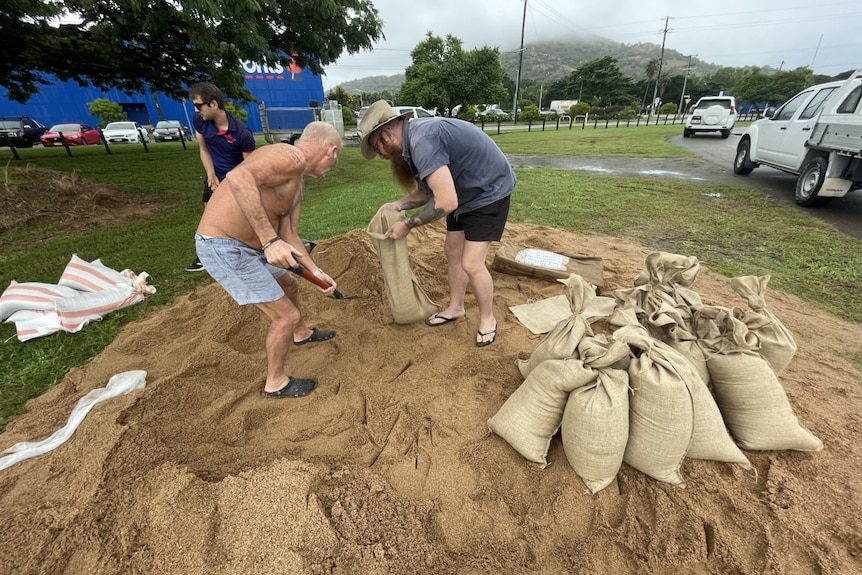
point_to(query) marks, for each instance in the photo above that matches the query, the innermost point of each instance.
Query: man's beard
(401, 172)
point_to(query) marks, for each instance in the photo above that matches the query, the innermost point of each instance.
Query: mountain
(553, 59)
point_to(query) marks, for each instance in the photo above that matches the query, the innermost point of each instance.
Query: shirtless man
(248, 235)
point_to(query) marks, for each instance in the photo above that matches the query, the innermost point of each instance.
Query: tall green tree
(601, 82)
(166, 44)
(442, 75)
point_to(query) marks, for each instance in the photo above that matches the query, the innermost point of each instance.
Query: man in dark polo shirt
(224, 140)
(452, 170)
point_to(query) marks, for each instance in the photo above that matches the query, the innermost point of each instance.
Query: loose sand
(388, 467)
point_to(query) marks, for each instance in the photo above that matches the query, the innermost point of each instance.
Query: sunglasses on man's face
(199, 105)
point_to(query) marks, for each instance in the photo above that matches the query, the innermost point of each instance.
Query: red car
(74, 134)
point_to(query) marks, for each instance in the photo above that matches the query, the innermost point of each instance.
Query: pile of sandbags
(673, 378)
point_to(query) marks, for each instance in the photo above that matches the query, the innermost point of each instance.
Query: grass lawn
(723, 226)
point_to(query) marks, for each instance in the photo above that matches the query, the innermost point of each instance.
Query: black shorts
(208, 193)
(485, 224)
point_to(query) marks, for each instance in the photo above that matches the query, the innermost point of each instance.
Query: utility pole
(660, 64)
(684, 84)
(520, 62)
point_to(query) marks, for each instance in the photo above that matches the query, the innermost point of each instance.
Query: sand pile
(389, 467)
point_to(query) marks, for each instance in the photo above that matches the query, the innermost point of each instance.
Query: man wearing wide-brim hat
(452, 169)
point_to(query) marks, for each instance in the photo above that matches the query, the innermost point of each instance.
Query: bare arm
(444, 202)
(207, 162)
(288, 227)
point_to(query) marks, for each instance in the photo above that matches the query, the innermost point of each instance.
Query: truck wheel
(809, 183)
(725, 134)
(742, 161)
(686, 133)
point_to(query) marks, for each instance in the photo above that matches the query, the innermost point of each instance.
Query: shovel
(299, 270)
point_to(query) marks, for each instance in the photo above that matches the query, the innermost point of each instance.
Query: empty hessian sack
(407, 300)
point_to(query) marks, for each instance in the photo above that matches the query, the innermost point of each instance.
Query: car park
(20, 131)
(711, 114)
(73, 134)
(125, 133)
(171, 131)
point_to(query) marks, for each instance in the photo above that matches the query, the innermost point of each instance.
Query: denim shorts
(242, 271)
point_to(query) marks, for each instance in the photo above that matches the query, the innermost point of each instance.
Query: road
(713, 164)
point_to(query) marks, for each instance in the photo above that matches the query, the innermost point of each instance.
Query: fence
(583, 122)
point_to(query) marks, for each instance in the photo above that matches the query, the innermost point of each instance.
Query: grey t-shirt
(481, 172)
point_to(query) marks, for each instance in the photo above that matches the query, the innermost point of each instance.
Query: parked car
(125, 132)
(417, 113)
(171, 130)
(74, 134)
(20, 131)
(494, 114)
(711, 114)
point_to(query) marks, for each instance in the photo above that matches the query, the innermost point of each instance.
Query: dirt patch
(34, 200)
(388, 467)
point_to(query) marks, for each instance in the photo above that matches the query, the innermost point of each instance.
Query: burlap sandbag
(777, 345)
(407, 300)
(749, 394)
(661, 419)
(532, 414)
(561, 342)
(595, 426)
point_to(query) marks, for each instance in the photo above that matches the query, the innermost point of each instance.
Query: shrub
(106, 111)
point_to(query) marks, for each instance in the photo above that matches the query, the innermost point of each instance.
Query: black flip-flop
(316, 335)
(295, 388)
(440, 317)
(492, 333)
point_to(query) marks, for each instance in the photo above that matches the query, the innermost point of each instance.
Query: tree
(651, 71)
(236, 111)
(107, 111)
(443, 75)
(164, 45)
(601, 82)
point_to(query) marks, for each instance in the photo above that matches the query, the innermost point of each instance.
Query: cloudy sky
(791, 33)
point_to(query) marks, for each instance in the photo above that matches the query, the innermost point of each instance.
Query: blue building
(276, 87)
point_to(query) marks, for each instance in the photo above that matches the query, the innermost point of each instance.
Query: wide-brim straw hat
(378, 115)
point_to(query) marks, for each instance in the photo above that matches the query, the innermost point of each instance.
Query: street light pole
(660, 63)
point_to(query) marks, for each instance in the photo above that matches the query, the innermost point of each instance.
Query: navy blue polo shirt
(226, 148)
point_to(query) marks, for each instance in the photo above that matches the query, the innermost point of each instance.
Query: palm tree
(651, 71)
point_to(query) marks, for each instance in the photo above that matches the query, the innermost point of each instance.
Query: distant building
(60, 102)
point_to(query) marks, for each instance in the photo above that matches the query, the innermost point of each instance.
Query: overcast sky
(790, 33)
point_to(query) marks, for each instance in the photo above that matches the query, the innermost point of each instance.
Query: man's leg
(283, 316)
(454, 249)
(473, 264)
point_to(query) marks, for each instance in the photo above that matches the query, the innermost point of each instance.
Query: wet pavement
(713, 164)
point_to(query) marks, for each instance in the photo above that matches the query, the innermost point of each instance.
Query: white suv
(711, 114)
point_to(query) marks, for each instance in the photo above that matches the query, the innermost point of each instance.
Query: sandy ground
(388, 467)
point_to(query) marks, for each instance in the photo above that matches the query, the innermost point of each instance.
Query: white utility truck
(816, 135)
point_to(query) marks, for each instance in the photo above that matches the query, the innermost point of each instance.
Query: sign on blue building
(60, 102)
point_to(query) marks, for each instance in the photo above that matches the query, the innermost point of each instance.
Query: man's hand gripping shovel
(299, 270)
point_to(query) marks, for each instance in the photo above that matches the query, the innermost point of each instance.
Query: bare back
(272, 176)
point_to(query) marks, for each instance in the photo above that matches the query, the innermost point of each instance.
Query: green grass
(734, 230)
